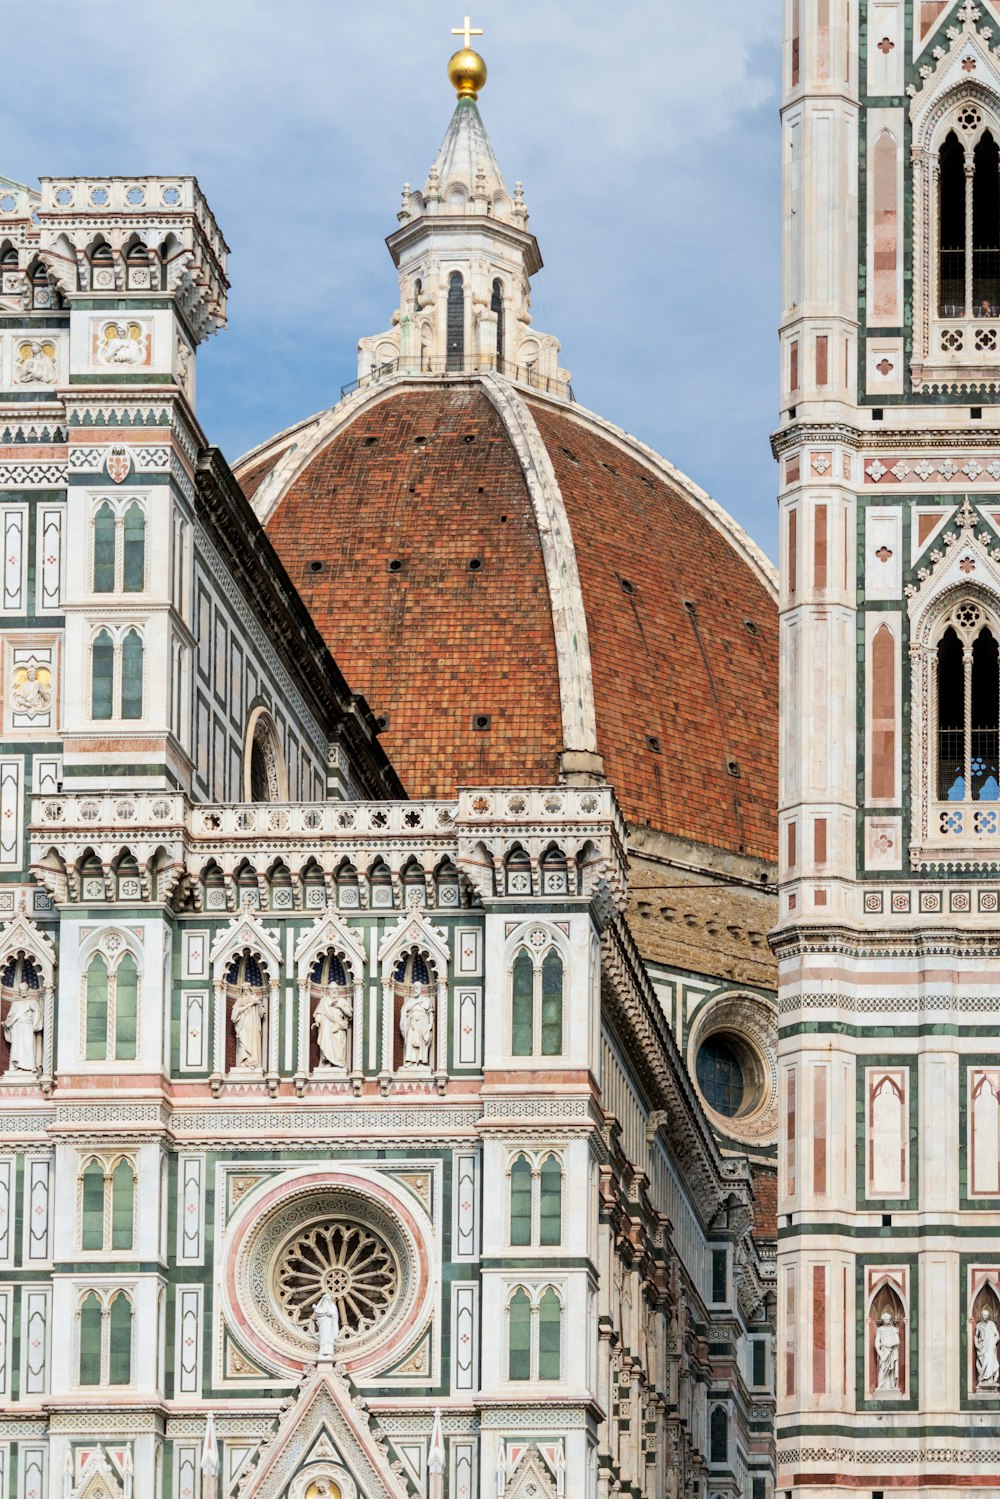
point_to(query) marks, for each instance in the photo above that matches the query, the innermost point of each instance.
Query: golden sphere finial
(466, 68)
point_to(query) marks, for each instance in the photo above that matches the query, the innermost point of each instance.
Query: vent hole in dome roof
(370, 442)
(691, 606)
(481, 489)
(652, 743)
(571, 456)
(475, 563)
(413, 489)
(419, 441)
(733, 766)
(503, 520)
(609, 466)
(395, 565)
(750, 627)
(480, 722)
(469, 437)
(627, 585)
(382, 722)
(316, 566)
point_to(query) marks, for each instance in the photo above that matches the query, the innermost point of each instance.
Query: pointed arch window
(536, 1013)
(134, 549)
(132, 667)
(520, 1202)
(120, 1340)
(536, 1188)
(102, 676)
(105, 1338)
(117, 670)
(968, 708)
(91, 1339)
(111, 1009)
(496, 307)
(719, 1435)
(92, 1206)
(969, 219)
(455, 323)
(519, 1336)
(534, 1334)
(104, 549)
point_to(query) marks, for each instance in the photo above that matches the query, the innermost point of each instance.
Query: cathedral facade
(887, 936)
(388, 1075)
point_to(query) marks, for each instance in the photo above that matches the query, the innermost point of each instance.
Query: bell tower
(888, 940)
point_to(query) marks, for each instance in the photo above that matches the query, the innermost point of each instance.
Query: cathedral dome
(520, 588)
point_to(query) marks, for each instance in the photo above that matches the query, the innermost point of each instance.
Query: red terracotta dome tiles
(435, 643)
(697, 682)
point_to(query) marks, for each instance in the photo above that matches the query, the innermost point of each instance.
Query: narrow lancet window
(455, 333)
(968, 710)
(496, 306)
(951, 290)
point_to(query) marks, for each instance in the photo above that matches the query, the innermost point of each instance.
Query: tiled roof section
(251, 482)
(765, 1203)
(697, 682)
(429, 479)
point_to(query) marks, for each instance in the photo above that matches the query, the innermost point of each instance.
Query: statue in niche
(986, 1339)
(327, 1319)
(23, 1022)
(31, 696)
(122, 343)
(332, 1019)
(36, 363)
(887, 1353)
(248, 1020)
(416, 1026)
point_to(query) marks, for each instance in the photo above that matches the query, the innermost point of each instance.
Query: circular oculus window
(732, 1057)
(344, 1232)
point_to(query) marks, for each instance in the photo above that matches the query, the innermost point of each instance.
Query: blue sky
(645, 133)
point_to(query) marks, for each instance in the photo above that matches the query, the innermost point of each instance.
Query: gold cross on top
(467, 32)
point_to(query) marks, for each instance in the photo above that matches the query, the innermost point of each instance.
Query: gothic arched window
(92, 1206)
(102, 676)
(132, 658)
(549, 1335)
(968, 708)
(519, 1336)
(719, 1435)
(536, 1013)
(520, 1202)
(550, 1202)
(91, 1328)
(134, 550)
(496, 306)
(455, 329)
(104, 549)
(96, 1026)
(120, 1340)
(969, 200)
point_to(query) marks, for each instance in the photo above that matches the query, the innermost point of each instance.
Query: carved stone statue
(32, 696)
(248, 1017)
(121, 346)
(986, 1337)
(23, 1023)
(327, 1325)
(332, 1020)
(416, 1025)
(36, 364)
(887, 1353)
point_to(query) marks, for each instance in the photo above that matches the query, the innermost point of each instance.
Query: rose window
(347, 1261)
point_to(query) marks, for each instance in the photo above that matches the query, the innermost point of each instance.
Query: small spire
(68, 1476)
(210, 1449)
(435, 1460)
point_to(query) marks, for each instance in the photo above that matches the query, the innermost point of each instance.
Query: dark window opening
(719, 1277)
(986, 229)
(720, 1076)
(455, 327)
(496, 305)
(719, 1436)
(951, 289)
(259, 790)
(968, 689)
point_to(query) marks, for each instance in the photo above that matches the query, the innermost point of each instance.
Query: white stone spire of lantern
(465, 257)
